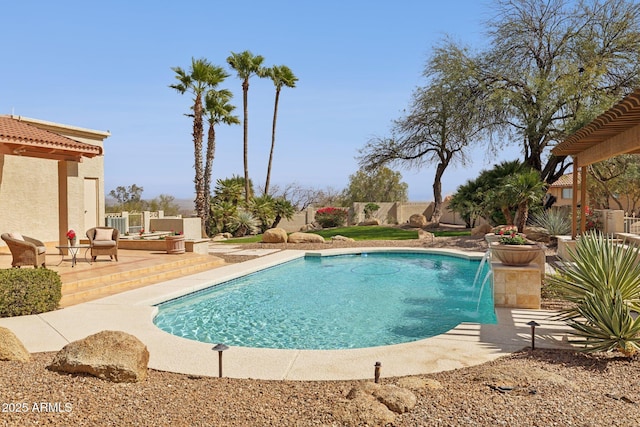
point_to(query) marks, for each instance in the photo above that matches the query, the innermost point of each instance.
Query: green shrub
(556, 222)
(29, 291)
(604, 286)
(370, 209)
(331, 217)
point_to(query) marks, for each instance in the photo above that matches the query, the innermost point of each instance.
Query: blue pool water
(335, 302)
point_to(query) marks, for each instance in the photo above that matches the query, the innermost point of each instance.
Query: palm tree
(522, 190)
(246, 64)
(218, 111)
(197, 80)
(281, 75)
(492, 190)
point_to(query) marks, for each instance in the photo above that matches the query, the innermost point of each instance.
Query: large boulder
(274, 235)
(374, 404)
(481, 230)
(363, 410)
(425, 235)
(11, 348)
(397, 399)
(537, 234)
(310, 227)
(370, 221)
(428, 212)
(222, 236)
(298, 237)
(110, 355)
(418, 221)
(339, 238)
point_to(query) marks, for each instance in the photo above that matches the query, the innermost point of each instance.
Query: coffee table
(73, 251)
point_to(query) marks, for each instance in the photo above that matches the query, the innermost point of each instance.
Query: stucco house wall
(44, 197)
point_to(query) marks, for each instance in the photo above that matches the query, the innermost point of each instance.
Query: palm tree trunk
(523, 215)
(245, 91)
(208, 168)
(197, 145)
(507, 215)
(273, 141)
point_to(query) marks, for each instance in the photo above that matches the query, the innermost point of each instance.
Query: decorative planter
(175, 244)
(515, 255)
(492, 237)
(73, 242)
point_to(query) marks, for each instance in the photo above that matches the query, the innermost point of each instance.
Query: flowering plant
(506, 229)
(71, 234)
(331, 217)
(513, 239)
(594, 220)
(509, 235)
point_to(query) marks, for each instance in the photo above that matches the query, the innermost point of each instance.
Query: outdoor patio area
(89, 279)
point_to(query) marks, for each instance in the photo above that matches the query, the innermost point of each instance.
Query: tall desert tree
(281, 75)
(378, 185)
(246, 64)
(218, 110)
(552, 65)
(444, 118)
(201, 77)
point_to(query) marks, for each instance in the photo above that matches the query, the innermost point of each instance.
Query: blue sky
(107, 66)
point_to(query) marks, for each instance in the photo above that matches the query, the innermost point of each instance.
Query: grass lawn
(365, 233)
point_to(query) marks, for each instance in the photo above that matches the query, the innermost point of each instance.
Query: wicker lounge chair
(103, 241)
(25, 250)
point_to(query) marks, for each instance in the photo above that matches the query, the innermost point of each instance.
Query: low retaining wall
(199, 246)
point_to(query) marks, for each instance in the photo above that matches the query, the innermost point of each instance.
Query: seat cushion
(103, 234)
(41, 249)
(104, 243)
(16, 235)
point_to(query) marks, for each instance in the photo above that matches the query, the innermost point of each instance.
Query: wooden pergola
(615, 132)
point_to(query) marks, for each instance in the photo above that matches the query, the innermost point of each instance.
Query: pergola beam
(622, 143)
(614, 132)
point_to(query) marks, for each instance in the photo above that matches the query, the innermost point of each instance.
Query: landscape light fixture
(533, 325)
(376, 375)
(220, 348)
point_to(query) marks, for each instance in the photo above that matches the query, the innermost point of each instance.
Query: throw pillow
(16, 235)
(103, 234)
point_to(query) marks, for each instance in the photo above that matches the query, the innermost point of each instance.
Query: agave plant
(604, 285)
(243, 223)
(607, 324)
(556, 222)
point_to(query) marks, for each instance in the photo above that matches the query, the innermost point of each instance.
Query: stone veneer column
(517, 287)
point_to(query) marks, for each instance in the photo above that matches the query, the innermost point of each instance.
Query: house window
(567, 193)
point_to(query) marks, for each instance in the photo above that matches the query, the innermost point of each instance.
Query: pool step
(77, 290)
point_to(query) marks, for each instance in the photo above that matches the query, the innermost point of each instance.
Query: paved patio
(133, 312)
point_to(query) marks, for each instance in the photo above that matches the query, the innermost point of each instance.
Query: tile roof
(565, 181)
(20, 138)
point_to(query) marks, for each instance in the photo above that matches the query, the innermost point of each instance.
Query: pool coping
(133, 311)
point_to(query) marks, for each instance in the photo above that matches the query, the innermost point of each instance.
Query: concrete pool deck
(133, 311)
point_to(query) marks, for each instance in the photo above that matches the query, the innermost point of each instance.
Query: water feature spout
(486, 277)
(483, 261)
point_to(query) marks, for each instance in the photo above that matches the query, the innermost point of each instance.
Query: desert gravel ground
(528, 388)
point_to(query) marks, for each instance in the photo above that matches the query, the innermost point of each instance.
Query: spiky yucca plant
(607, 325)
(243, 223)
(554, 221)
(604, 285)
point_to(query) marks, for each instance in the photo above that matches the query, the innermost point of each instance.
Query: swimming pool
(335, 302)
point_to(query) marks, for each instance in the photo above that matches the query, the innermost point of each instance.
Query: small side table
(73, 251)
